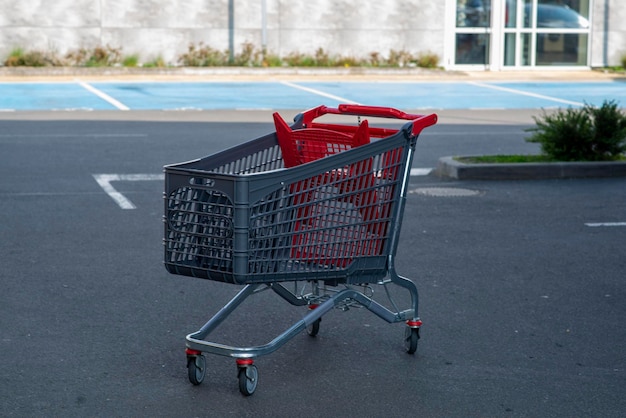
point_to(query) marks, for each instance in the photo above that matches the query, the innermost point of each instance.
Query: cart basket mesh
(244, 216)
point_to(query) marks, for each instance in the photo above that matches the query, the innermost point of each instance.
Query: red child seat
(353, 184)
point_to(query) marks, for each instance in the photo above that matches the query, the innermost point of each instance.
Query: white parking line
(597, 224)
(524, 93)
(420, 171)
(318, 92)
(104, 180)
(103, 95)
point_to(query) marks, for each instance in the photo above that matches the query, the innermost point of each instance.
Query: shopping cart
(311, 211)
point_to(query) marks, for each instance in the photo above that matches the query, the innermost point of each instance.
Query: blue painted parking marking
(303, 95)
(208, 95)
(48, 96)
(527, 94)
(422, 95)
(593, 93)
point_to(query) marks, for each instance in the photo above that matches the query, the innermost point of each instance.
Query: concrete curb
(200, 73)
(410, 73)
(234, 70)
(448, 167)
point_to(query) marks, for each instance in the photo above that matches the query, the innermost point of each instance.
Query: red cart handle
(375, 111)
(419, 121)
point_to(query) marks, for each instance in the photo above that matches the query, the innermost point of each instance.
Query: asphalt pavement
(521, 282)
(521, 285)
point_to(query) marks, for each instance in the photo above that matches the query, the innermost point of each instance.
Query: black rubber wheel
(196, 369)
(248, 379)
(411, 336)
(314, 328)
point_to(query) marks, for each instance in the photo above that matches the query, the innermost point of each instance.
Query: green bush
(248, 57)
(399, 58)
(130, 60)
(296, 59)
(100, 56)
(20, 58)
(157, 62)
(271, 60)
(203, 56)
(585, 134)
(427, 60)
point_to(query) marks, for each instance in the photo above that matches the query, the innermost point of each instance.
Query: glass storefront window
(524, 33)
(561, 49)
(561, 14)
(526, 48)
(473, 20)
(528, 13)
(472, 48)
(510, 14)
(509, 49)
(473, 13)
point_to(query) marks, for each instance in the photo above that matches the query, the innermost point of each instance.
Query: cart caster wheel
(196, 368)
(248, 379)
(411, 336)
(314, 328)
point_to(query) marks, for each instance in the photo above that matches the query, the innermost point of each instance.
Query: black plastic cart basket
(316, 204)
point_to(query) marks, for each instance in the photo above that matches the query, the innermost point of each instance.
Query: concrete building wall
(608, 39)
(356, 28)
(165, 28)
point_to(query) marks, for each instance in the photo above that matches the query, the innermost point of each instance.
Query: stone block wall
(350, 28)
(153, 28)
(608, 38)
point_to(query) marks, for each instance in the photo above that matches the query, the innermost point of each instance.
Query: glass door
(546, 33)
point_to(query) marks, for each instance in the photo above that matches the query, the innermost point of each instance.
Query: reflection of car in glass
(554, 16)
(474, 14)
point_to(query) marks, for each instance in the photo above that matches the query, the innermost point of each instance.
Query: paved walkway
(25, 74)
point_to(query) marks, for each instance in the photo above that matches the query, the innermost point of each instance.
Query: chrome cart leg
(223, 313)
(412, 331)
(196, 361)
(314, 328)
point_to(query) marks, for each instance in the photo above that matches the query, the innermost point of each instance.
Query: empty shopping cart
(311, 211)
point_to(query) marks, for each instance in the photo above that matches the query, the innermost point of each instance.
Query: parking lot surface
(521, 285)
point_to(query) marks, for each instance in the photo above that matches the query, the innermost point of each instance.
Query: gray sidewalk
(16, 74)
